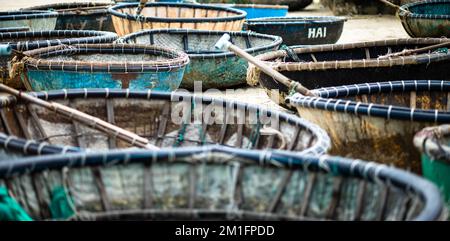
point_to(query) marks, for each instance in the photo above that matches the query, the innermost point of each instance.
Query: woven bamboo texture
(166, 119)
(384, 116)
(175, 15)
(219, 183)
(24, 41)
(214, 68)
(105, 57)
(429, 18)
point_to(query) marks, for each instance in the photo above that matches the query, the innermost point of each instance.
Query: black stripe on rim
(67, 37)
(433, 204)
(423, 16)
(327, 101)
(27, 14)
(32, 147)
(276, 39)
(240, 14)
(320, 147)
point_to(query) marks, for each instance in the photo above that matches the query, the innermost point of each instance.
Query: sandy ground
(357, 28)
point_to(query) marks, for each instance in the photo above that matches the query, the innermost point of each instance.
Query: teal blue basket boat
(33, 19)
(214, 68)
(29, 40)
(426, 18)
(123, 66)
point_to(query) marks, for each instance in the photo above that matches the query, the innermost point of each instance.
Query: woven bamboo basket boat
(354, 63)
(166, 119)
(136, 67)
(14, 29)
(80, 15)
(24, 41)
(213, 183)
(300, 30)
(429, 18)
(214, 68)
(12, 148)
(433, 143)
(33, 19)
(384, 116)
(175, 15)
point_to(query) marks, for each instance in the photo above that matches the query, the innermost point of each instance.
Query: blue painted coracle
(214, 68)
(28, 40)
(135, 67)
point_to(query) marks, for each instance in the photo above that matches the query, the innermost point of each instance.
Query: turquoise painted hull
(263, 12)
(51, 80)
(40, 24)
(428, 19)
(220, 72)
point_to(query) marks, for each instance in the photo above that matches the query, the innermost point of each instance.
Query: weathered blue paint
(215, 69)
(217, 72)
(51, 80)
(5, 49)
(426, 18)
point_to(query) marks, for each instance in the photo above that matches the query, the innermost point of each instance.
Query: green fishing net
(10, 210)
(61, 206)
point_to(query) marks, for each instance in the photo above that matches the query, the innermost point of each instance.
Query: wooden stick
(141, 6)
(84, 118)
(414, 51)
(394, 6)
(224, 43)
(80, 9)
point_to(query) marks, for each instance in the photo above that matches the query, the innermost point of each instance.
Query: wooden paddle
(84, 118)
(224, 43)
(415, 51)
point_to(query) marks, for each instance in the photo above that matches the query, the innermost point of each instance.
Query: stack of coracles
(101, 120)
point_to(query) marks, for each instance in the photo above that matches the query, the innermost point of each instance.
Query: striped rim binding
(237, 14)
(359, 108)
(294, 20)
(56, 37)
(391, 112)
(320, 147)
(36, 58)
(364, 63)
(26, 14)
(32, 147)
(276, 40)
(432, 209)
(428, 141)
(422, 16)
